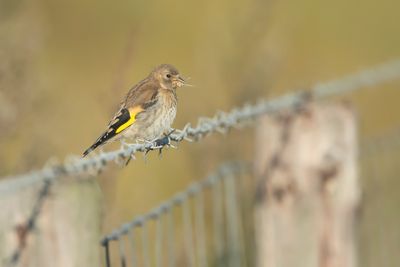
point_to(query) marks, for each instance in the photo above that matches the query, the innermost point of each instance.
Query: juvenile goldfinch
(147, 111)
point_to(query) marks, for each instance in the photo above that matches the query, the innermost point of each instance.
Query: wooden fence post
(67, 231)
(308, 192)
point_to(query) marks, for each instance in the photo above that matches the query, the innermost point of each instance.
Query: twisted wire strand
(221, 122)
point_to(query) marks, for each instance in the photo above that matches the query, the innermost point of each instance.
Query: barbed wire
(224, 193)
(221, 122)
(226, 242)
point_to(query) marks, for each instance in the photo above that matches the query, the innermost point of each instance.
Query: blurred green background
(64, 66)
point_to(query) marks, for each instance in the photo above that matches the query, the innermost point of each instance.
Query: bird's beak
(180, 81)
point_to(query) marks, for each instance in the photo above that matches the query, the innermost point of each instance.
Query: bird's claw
(160, 143)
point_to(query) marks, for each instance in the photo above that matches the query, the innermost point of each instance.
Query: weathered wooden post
(308, 191)
(67, 230)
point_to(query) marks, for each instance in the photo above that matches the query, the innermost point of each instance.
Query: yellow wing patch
(132, 113)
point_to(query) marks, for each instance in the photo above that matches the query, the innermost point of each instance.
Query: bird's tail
(103, 139)
(99, 142)
(91, 148)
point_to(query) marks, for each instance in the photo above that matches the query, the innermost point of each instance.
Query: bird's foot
(162, 142)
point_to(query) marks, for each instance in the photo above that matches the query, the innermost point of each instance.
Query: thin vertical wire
(194, 235)
(131, 236)
(232, 229)
(188, 232)
(171, 240)
(200, 231)
(241, 216)
(217, 219)
(107, 253)
(145, 245)
(159, 240)
(122, 251)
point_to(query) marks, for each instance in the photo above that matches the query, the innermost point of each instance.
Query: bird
(147, 111)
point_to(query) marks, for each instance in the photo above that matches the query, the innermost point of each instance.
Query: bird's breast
(156, 120)
(166, 110)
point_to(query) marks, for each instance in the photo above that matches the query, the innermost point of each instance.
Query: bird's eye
(168, 75)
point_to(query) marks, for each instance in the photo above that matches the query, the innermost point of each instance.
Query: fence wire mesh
(212, 213)
(210, 223)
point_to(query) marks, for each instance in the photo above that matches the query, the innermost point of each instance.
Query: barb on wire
(221, 122)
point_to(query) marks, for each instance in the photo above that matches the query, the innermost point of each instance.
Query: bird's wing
(139, 99)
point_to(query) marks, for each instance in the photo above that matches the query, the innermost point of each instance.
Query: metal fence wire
(210, 223)
(213, 215)
(221, 122)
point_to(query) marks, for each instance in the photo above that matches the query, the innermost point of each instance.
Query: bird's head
(168, 76)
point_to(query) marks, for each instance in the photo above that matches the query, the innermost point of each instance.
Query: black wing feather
(122, 118)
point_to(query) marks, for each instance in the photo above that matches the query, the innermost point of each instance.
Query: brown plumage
(147, 111)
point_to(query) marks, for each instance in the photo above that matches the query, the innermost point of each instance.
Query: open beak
(179, 81)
